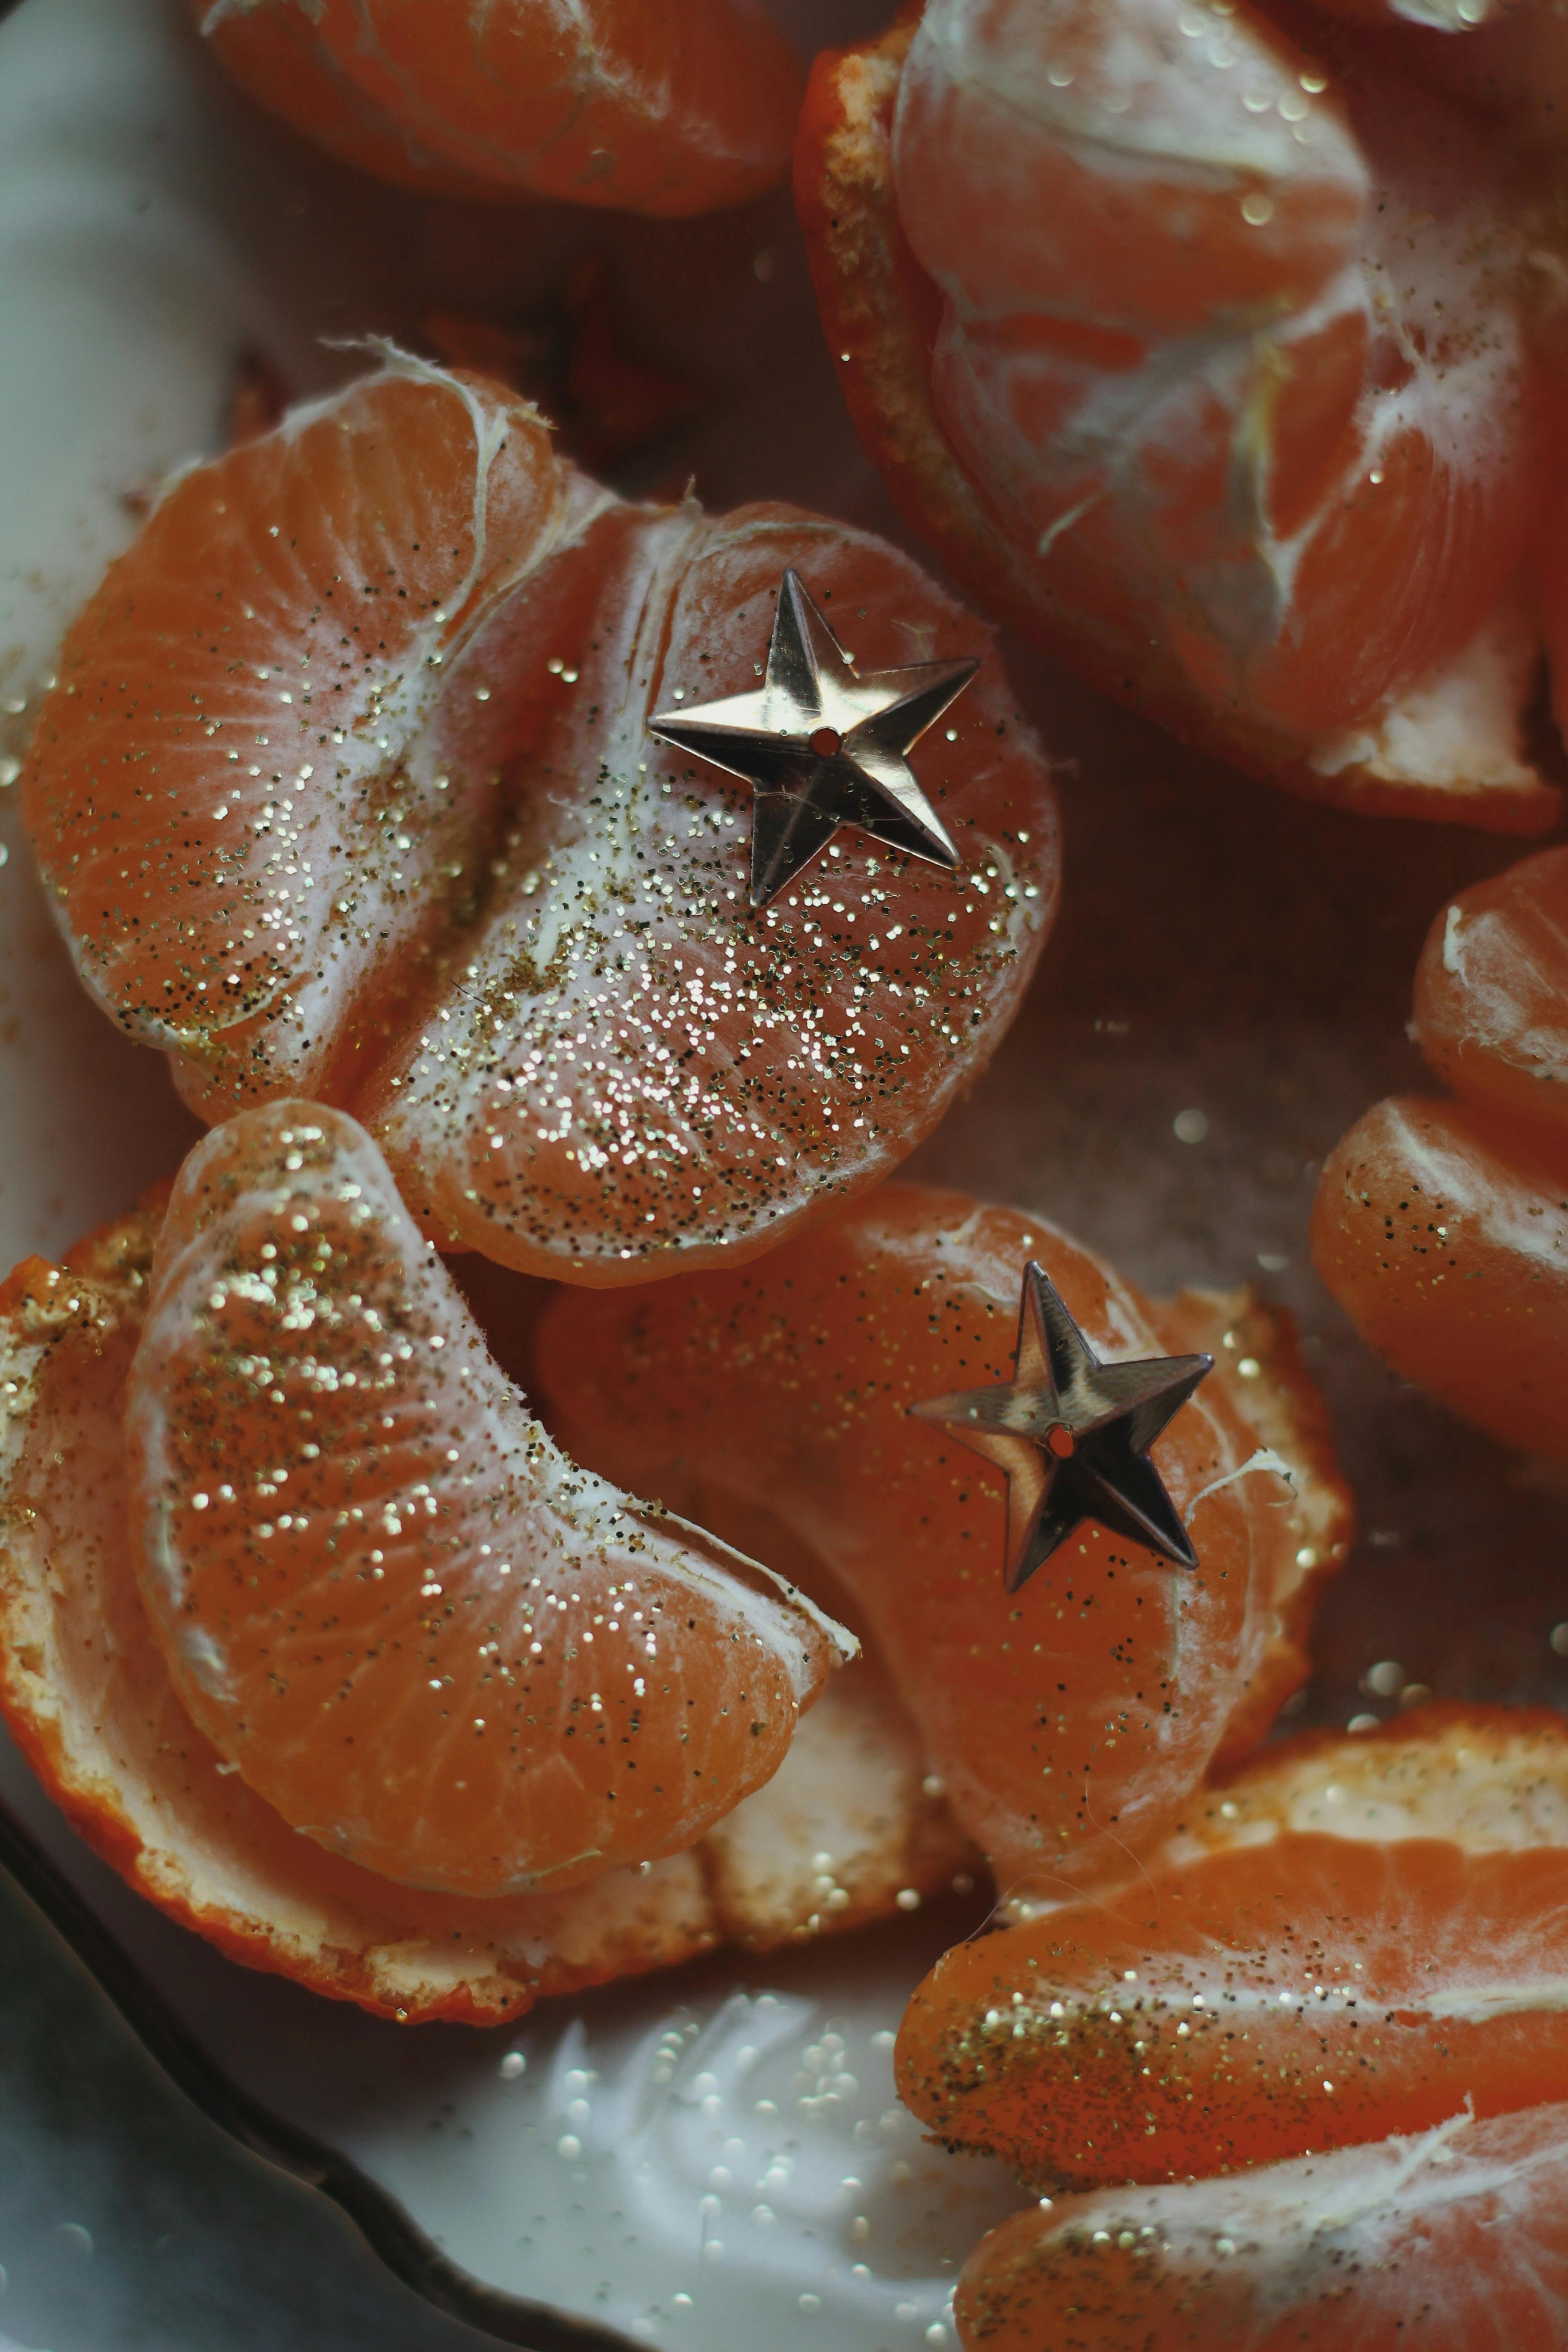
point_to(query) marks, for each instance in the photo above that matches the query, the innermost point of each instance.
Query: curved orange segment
(430, 1641)
(1492, 992)
(1115, 312)
(1451, 2237)
(668, 107)
(1255, 2004)
(1442, 1229)
(1070, 1720)
(87, 1695)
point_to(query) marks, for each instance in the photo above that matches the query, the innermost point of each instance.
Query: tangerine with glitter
(1354, 1938)
(345, 791)
(417, 1628)
(1067, 1721)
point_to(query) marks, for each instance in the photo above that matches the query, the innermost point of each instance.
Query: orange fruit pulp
(670, 107)
(1441, 1227)
(345, 791)
(1354, 1938)
(1448, 2238)
(1491, 993)
(87, 1693)
(1068, 1722)
(1173, 341)
(418, 1631)
(1247, 2007)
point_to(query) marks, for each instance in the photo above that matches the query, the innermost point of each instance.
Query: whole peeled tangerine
(346, 792)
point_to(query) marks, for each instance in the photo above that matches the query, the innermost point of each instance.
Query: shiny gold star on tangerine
(1072, 1435)
(821, 745)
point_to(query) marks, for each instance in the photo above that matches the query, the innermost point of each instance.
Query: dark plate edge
(387, 2230)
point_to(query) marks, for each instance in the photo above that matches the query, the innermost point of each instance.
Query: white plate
(718, 2150)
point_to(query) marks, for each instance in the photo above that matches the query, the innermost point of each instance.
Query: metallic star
(1073, 1435)
(822, 746)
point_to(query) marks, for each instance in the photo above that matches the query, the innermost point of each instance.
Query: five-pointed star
(822, 746)
(1073, 1435)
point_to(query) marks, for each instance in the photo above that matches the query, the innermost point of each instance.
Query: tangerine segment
(241, 793)
(668, 107)
(632, 1069)
(1442, 1229)
(1257, 2003)
(1488, 1779)
(86, 1693)
(346, 791)
(1071, 1721)
(1491, 991)
(1121, 161)
(1451, 2237)
(1169, 515)
(418, 1631)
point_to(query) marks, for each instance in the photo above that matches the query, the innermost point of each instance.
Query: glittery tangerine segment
(1071, 1720)
(1448, 2238)
(231, 793)
(1262, 2003)
(424, 1636)
(635, 1070)
(344, 792)
(1442, 1229)
(86, 1693)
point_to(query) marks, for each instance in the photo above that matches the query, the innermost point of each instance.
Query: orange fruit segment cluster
(87, 1691)
(345, 791)
(1207, 351)
(1442, 1226)
(668, 107)
(1069, 1721)
(1294, 2027)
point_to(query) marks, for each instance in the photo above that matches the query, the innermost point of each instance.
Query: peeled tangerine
(1337, 1999)
(345, 791)
(670, 107)
(633, 1678)
(1198, 339)
(410, 1622)
(1068, 1722)
(1450, 2238)
(1441, 1227)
